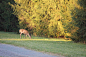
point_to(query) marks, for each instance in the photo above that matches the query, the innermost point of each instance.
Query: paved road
(13, 51)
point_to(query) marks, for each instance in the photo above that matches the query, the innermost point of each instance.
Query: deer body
(23, 31)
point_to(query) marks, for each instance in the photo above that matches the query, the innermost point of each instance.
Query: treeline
(49, 18)
(8, 21)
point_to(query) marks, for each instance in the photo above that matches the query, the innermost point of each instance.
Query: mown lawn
(56, 46)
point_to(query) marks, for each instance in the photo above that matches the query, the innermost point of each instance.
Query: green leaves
(8, 21)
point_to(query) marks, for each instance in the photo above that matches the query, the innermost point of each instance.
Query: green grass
(66, 48)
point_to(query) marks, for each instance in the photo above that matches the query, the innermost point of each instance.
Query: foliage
(79, 16)
(8, 21)
(45, 19)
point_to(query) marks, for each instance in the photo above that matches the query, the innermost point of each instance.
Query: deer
(25, 32)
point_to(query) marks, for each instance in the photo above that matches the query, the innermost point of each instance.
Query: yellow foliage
(68, 34)
(34, 34)
(46, 15)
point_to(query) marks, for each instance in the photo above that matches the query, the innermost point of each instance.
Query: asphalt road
(13, 51)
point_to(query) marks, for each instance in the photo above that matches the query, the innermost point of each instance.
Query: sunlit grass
(56, 46)
(38, 39)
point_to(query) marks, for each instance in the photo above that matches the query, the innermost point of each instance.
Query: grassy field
(54, 46)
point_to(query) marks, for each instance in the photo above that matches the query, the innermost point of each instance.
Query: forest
(45, 18)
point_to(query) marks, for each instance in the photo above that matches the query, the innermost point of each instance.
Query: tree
(79, 16)
(51, 19)
(8, 21)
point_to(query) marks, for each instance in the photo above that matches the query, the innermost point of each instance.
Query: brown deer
(24, 32)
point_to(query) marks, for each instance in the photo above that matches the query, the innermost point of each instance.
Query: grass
(56, 46)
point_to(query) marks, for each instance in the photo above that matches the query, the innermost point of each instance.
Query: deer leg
(29, 36)
(25, 36)
(20, 35)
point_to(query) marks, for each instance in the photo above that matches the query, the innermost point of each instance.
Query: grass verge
(56, 46)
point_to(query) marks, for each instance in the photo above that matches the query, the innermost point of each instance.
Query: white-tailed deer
(24, 32)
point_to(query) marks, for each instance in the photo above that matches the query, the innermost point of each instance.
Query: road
(14, 51)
